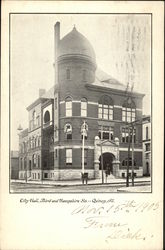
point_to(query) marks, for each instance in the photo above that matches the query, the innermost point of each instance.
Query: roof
(74, 43)
(49, 94)
(102, 79)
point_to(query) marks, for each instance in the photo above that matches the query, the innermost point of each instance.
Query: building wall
(147, 147)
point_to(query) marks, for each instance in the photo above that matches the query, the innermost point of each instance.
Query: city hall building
(51, 148)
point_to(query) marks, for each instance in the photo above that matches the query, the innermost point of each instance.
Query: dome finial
(74, 27)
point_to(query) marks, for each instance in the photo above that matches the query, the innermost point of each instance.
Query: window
(38, 161)
(45, 175)
(147, 156)
(106, 133)
(105, 108)
(38, 121)
(46, 117)
(68, 74)
(68, 131)
(51, 159)
(21, 164)
(68, 156)
(34, 160)
(34, 119)
(146, 133)
(68, 106)
(84, 107)
(84, 75)
(128, 111)
(56, 153)
(125, 162)
(125, 135)
(147, 147)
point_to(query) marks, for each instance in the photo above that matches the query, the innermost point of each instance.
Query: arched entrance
(107, 162)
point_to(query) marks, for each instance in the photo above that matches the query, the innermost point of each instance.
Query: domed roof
(74, 43)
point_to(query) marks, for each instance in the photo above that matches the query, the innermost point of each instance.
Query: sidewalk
(135, 189)
(110, 180)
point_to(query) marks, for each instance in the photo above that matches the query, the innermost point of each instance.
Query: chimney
(56, 44)
(56, 37)
(41, 92)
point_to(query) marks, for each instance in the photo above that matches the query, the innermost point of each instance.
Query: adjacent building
(14, 164)
(51, 148)
(147, 145)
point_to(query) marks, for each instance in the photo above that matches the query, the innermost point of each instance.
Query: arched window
(128, 111)
(68, 106)
(68, 131)
(46, 116)
(84, 107)
(34, 160)
(21, 164)
(68, 74)
(125, 162)
(105, 110)
(38, 161)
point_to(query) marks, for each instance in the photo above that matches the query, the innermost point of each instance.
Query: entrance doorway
(107, 163)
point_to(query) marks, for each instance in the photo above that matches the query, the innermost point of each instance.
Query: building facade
(14, 165)
(81, 93)
(147, 145)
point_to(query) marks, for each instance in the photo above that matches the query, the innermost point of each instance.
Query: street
(94, 188)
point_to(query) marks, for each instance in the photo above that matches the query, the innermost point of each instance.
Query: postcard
(82, 125)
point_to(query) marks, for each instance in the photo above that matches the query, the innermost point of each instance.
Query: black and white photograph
(80, 103)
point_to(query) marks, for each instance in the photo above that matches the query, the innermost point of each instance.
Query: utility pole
(127, 183)
(132, 154)
(84, 133)
(102, 165)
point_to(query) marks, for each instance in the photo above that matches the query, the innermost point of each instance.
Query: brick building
(82, 92)
(147, 145)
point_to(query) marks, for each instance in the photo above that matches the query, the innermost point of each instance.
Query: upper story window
(128, 111)
(84, 75)
(105, 110)
(68, 131)
(68, 74)
(68, 106)
(34, 118)
(47, 117)
(84, 107)
(106, 133)
(146, 133)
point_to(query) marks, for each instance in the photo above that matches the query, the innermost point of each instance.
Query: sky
(32, 57)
